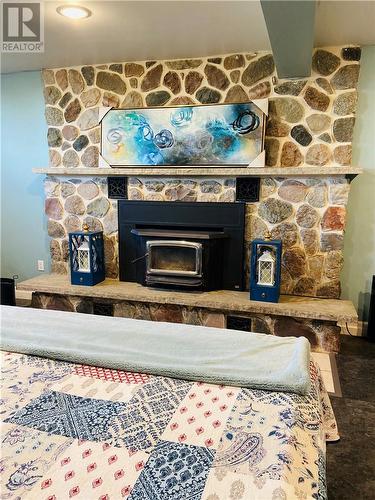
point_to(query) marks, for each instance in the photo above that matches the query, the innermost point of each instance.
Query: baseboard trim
(23, 294)
(23, 298)
(358, 329)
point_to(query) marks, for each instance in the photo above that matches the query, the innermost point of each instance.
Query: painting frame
(258, 107)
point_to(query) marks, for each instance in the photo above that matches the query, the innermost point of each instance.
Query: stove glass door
(174, 257)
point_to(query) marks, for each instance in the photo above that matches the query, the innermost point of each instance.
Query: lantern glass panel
(266, 266)
(84, 257)
(83, 261)
(265, 273)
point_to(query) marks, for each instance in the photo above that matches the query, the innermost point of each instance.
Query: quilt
(78, 431)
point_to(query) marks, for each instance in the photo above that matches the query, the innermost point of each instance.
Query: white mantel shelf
(203, 171)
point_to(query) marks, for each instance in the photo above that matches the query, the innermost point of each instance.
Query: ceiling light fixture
(74, 11)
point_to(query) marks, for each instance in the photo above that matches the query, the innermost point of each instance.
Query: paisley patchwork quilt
(92, 433)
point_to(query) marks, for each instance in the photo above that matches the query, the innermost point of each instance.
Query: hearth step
(319, 320)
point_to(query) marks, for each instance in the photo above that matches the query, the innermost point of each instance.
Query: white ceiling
(147, 30)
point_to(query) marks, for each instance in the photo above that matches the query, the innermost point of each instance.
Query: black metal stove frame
(218, 226)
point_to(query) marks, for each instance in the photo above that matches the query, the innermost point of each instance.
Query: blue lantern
(86, 257)
(265, 270)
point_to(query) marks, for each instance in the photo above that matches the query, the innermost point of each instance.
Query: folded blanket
(187, 352)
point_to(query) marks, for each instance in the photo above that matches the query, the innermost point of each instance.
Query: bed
(73, 430)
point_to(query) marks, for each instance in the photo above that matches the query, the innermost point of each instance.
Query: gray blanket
(173, 350)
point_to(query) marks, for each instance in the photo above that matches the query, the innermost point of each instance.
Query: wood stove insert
(191, 246)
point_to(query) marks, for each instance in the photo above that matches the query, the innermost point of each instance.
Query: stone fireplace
(309, 129)
(303, 191)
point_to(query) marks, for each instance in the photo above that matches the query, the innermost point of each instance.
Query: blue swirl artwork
(223, 134)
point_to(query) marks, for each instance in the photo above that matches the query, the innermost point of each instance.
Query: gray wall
(359, 247)
(23, 146)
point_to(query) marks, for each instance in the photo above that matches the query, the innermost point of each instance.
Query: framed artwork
(205, 135)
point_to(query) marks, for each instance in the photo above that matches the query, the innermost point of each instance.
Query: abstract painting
(212, 135)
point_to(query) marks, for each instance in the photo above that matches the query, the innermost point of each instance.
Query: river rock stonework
(329, 93)
(310, 124)
(307, 214)
(71, 203)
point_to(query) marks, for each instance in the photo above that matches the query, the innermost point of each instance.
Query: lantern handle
(267, 235)
(85, 227)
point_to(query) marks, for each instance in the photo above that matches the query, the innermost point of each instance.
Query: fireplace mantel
(204, 171)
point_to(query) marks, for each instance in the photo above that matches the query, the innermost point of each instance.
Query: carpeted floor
(351, 461)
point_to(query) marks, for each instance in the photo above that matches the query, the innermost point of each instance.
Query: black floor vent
(103, 309)
(239, 323)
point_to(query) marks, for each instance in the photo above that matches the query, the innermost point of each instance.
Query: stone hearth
(317, 319)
